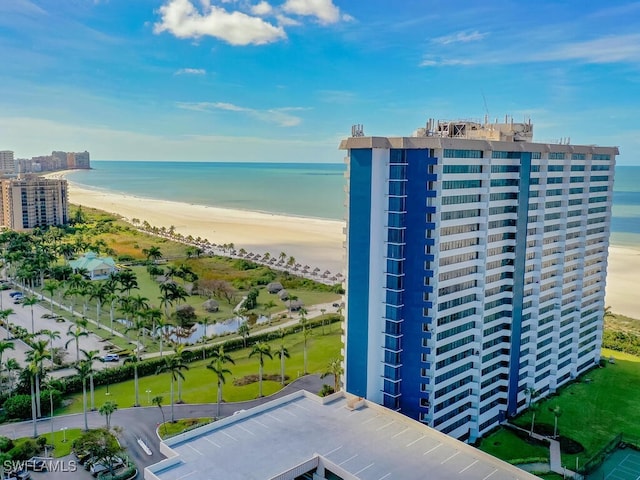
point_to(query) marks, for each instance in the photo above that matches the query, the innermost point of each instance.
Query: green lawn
(506, 445)
(61, 441)
(594, 412)
(169, 429)
(199, 384)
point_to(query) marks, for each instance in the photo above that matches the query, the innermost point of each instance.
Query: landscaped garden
(594, 409)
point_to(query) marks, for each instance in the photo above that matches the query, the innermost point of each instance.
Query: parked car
(13, 294)
(37, 464)
(98, 468)
(110, 357)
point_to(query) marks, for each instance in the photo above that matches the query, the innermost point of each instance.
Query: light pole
(148, 396)
(64, 434)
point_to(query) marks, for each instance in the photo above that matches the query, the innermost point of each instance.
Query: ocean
(300, 189)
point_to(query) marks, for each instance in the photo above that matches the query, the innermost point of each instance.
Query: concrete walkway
(555, 457)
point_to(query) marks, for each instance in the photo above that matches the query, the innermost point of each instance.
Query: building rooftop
(352, 438)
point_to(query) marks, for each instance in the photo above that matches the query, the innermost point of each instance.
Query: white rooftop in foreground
(292, 435)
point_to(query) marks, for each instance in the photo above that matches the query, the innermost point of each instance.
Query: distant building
(59, 160)
(339, 437)
(477, 263)
(82, 160)
(7, 162)
(33, 201)
(97, 268)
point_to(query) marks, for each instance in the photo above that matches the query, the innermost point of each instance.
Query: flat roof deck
(369, 443)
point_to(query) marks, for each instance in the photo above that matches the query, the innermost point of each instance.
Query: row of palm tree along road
(30, 258)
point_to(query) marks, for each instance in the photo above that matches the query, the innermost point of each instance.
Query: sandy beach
(314, 242)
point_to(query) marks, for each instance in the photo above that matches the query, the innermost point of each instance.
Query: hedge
(124, 372)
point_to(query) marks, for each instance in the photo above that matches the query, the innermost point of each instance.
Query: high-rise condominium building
(34, 201)
(7, 162)
(476, 269)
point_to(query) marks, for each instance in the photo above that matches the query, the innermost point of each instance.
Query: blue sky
(284, 80)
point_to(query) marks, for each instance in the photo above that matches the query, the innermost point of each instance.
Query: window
(600, 156)
(456, 184)
(556, 156)
(505, 168)
(453, 153)
(462, 169)
(505, 182)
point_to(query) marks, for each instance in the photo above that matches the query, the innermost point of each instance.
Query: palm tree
(31, 370)
(282, 353)
(557, 411)
(152, 253)
(174, 365)
(261, 349)
(532, 394)
(75, 335)
(244, 332)
(335, 369)
(217, 367)
(38, 354)
(4, 346)
(137, 325)
(127, 280)
(4, 316)
(157, 400)
(84, 369)
(51, 335)
(159, 330)
(51, 287)
(90, 357)
(99, 292)
(107, 409)
(306, 333)
(12, 366)
(30, 301)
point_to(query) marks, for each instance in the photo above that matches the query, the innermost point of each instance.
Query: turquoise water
(303, 189)
(308, 190)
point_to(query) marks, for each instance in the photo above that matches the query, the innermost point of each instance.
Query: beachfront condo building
(7, 162)
(32, 201)
(476, 267)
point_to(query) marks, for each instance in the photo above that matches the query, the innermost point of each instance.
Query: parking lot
(22, 317)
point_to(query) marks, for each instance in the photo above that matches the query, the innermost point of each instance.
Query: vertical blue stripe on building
(418, 266)
(518, 282)
(358, 268)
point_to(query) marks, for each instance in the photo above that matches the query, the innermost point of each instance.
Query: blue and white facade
(475, 270)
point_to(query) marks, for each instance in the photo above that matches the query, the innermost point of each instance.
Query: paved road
(141, 422)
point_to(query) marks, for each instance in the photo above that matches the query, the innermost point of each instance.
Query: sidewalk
(555, 457)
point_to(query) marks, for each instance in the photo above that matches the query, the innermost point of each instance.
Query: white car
(110, 357)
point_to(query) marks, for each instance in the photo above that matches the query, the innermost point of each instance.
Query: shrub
(24, 450)
(326, 390)
(18, 406)
(6, 444)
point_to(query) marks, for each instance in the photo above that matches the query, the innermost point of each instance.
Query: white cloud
(445, 62)
(105, 142)
(184, 20)
(261, 9)
(460, 37)
(191, 71)
(610, 49)
(278, 116)
(324, 10)
(287, 21)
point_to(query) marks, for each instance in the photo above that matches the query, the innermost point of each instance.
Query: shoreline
(312, 241)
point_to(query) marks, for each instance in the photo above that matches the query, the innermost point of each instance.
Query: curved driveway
(141, 422)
